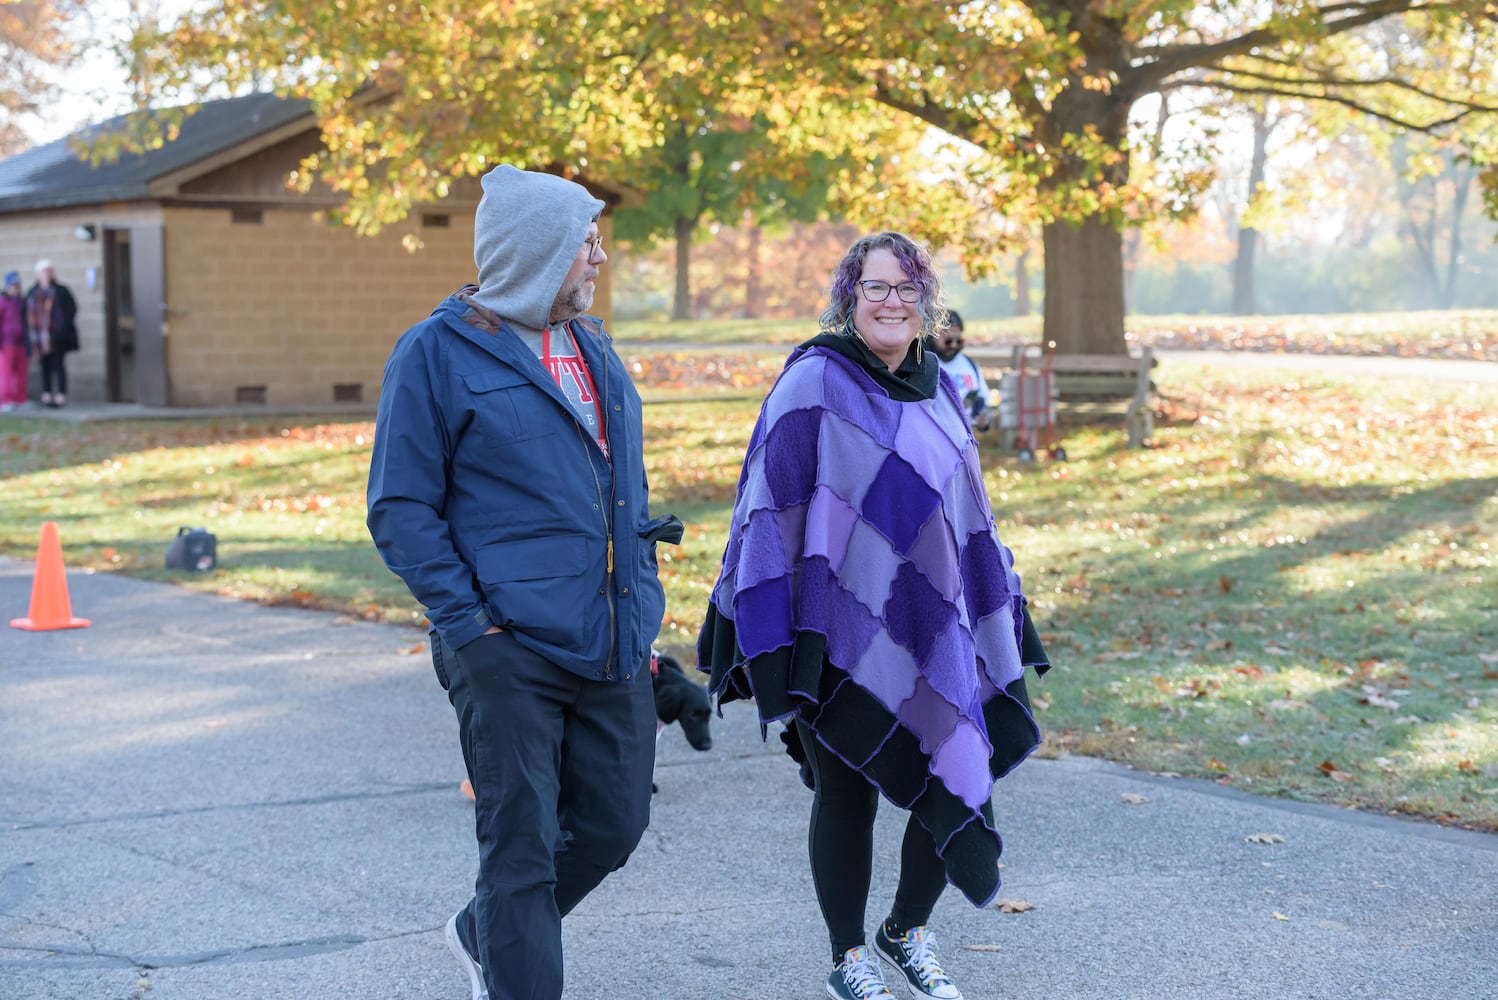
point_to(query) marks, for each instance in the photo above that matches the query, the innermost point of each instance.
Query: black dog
(680, 700)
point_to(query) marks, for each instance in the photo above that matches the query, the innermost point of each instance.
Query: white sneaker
(914, 954)
(858, 977)
(470, 966)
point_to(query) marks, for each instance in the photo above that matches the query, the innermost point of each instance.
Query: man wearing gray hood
(507, 489)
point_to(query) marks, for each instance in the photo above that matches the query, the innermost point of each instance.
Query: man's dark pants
(561, 769)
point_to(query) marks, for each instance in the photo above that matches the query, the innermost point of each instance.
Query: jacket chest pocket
(509, 408)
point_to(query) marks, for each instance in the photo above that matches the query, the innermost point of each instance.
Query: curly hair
(915, 261)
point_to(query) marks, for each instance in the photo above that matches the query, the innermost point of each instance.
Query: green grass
(1448, 333)
(1289, 592)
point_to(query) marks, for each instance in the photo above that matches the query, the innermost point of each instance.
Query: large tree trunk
(1084, 266)
(1022, 283)
(1461, 180)
(1244, 299)
(753, 273)
(681, 307)
(1084, 300)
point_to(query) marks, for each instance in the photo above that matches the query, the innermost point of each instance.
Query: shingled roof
(56, 176)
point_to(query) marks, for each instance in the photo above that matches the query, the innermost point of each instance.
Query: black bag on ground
(193, 549)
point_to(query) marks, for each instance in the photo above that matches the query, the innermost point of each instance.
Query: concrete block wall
(295, 304)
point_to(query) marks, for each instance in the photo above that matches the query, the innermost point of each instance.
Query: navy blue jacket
(493, 503)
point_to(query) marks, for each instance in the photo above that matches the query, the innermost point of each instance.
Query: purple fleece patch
(899, 502)
(916, 613)
(791, 480)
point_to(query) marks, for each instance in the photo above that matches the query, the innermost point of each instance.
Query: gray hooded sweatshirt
(527, 231)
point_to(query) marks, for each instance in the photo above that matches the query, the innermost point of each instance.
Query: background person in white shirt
(964, 371)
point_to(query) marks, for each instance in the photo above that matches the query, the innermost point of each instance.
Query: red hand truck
(1029, 397)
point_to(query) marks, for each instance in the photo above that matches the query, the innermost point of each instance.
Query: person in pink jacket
(15, 351)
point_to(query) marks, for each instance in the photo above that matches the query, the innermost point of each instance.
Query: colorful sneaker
(914, 954)
(470, 965)
(858, 977)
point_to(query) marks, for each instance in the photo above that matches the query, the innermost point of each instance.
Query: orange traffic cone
(50, 607)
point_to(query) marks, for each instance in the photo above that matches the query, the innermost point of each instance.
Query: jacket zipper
(608, 529)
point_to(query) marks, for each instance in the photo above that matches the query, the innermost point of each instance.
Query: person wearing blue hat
(15, 350)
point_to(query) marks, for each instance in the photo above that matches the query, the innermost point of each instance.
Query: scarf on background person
(39, 308)
(864, 590)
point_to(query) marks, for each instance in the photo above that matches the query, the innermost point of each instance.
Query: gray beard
(571, 303)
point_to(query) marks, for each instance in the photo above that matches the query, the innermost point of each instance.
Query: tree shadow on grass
(1372, 692)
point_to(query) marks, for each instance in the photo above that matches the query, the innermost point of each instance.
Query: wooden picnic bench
(1086, 384)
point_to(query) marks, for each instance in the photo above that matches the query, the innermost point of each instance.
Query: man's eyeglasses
(594, 245)
(878, 291)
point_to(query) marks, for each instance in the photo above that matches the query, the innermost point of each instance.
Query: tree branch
(1332, 80)
(1345, 101)
(1165, 61)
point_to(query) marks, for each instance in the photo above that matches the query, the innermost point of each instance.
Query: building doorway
(135, 316)
(119, 318)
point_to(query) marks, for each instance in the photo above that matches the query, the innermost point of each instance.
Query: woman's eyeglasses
(878, 291)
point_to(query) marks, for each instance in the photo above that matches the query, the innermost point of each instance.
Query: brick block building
(204, 280)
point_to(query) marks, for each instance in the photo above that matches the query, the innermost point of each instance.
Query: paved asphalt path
(205, 799)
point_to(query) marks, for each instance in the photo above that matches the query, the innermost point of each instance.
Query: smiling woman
(885, 294)
(866, 601)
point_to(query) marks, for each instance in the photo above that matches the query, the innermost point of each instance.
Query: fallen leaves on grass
(1373, 696)
(1280, 916)
(1389, 334)
(1195, 687)
(1331, 770)
(413, 650)
(702, 370)
(1013, 905)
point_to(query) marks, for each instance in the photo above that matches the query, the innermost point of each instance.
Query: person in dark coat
(507, 489)
(50, 314)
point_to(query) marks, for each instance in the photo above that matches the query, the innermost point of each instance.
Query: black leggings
(54, 373)
(841, 843)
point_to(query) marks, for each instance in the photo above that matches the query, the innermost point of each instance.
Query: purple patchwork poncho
(864, 590)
